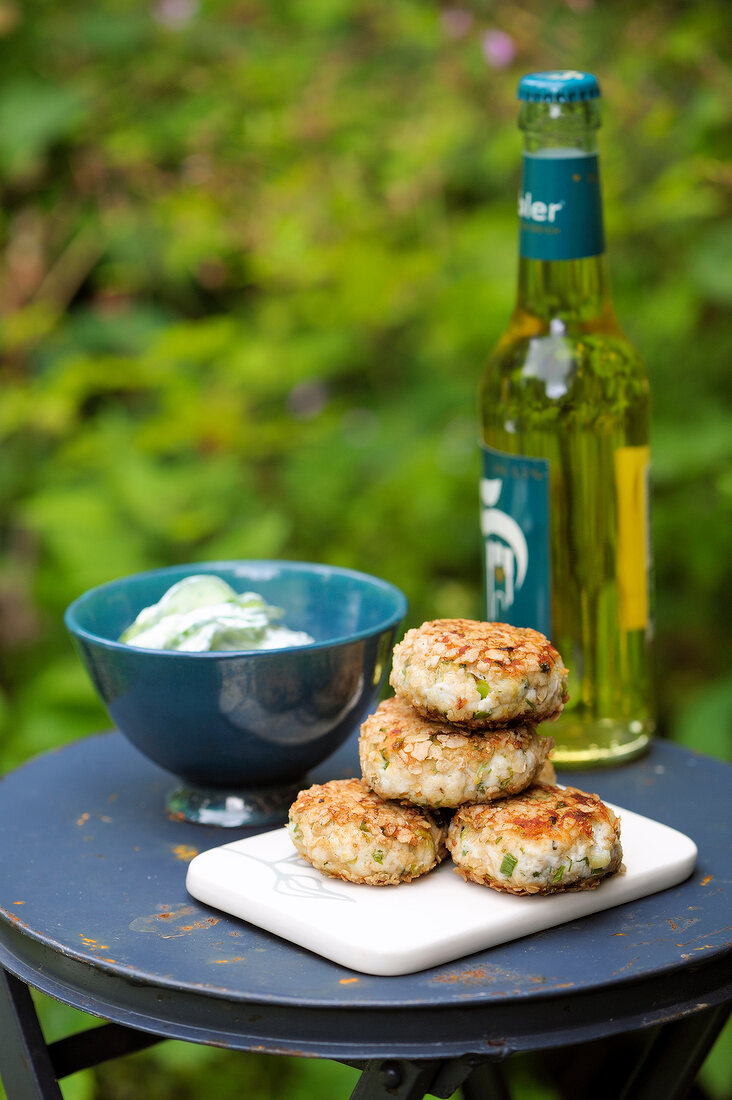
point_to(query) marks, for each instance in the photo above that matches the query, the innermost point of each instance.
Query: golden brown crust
(345, 801)
(480, 675)
(429, 762)
(347, 832)
(486, 646)
(546, 840)
(398, 723)
(564, 812)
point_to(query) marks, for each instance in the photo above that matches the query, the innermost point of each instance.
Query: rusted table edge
(411, 1032)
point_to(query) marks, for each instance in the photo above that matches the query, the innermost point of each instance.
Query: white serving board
(435, 919)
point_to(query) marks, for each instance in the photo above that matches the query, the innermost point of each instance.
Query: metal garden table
(94, 912)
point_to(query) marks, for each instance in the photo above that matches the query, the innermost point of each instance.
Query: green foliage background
(254, 255)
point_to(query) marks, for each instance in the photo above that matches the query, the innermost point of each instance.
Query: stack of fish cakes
(462, 727)
(460, 735)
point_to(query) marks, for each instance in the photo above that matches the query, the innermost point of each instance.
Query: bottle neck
(566, 290)
(562, 267)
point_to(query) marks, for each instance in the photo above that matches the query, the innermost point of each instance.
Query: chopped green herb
(557, 876)
(484, 689)
(378, 855)
(386, 762)
(598, 870)
(479, 781)
(535, 874)
(364, 829)
(509, 862)
(504, 783)
(426, 835)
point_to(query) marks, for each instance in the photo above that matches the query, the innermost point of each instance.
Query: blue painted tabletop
(94, 910)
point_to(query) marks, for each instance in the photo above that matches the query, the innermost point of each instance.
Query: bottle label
(514, 520)
(560, 208)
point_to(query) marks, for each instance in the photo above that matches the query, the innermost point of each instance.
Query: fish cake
(482, 675)
(348, 832)
(547, 775)
(545, 840)
(428, 762)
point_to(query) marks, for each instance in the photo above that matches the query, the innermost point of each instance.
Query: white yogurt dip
(204, 613)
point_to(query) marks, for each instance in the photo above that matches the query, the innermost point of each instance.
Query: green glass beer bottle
(564, 405)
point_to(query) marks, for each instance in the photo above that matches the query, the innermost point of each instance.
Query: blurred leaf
(81, 531)
(704, 722)
(34, 114)
(680, 455)
(711, 264)
(57, 704)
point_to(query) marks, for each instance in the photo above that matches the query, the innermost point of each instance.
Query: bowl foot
(229, 809)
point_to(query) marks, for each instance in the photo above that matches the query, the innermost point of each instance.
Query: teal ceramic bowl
(242, 728)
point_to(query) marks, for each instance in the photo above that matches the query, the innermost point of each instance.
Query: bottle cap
(566, 86)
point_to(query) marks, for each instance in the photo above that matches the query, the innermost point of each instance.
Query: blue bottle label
(560, 208)
(514, 520)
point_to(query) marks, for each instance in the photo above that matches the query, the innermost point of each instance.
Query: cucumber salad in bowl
(203, 613)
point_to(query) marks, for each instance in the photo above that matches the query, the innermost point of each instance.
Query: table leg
(675, 1056)
(486, 1082)
(96, 1045)
(412, 1080)
(25, 1064)
(395, 1080)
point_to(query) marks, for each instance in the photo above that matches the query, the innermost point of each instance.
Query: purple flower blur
(499, 49)
(175, 13)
